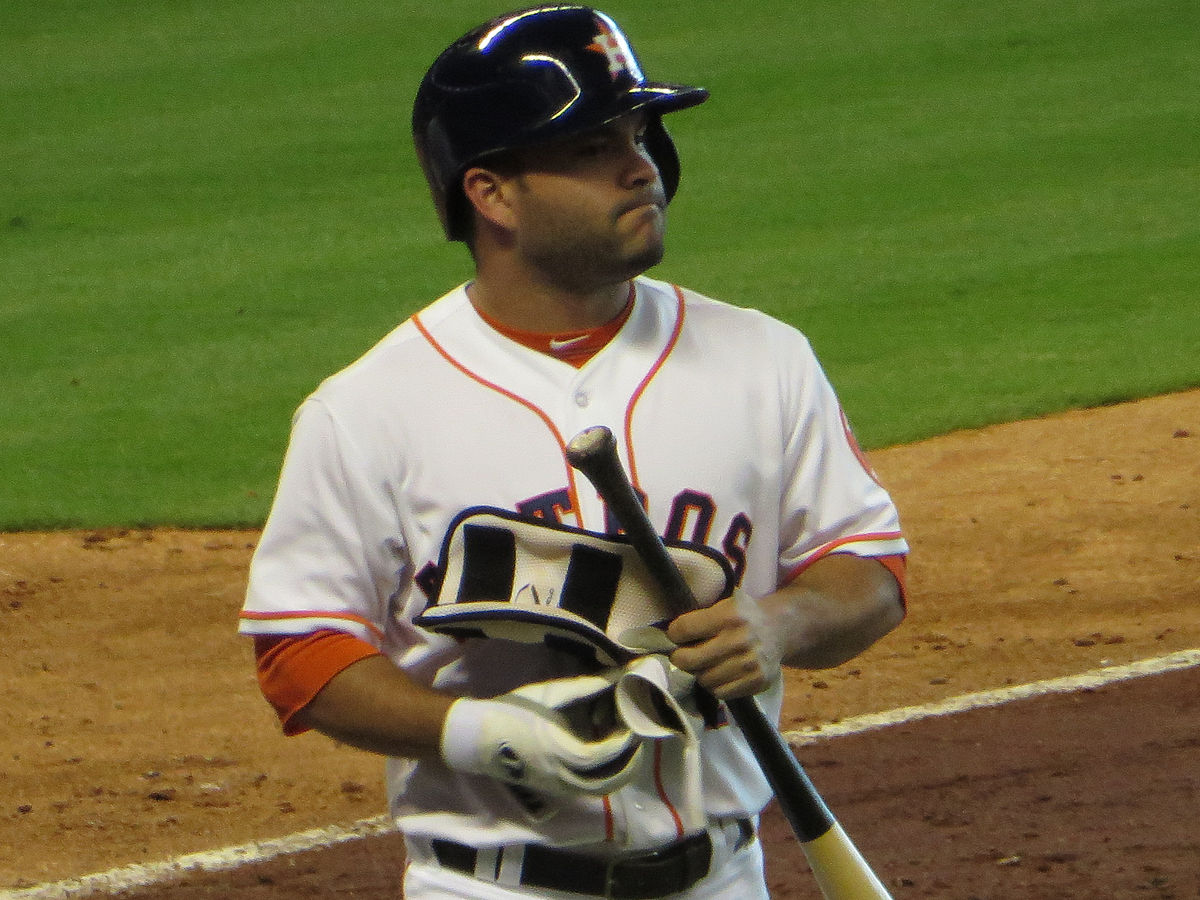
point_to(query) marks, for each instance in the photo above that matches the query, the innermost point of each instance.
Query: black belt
(636, 876)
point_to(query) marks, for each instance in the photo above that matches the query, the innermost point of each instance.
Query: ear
(490, 193)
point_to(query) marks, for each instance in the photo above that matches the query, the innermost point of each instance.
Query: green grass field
(977, 211)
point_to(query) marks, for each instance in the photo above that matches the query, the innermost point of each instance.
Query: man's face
(591, 210)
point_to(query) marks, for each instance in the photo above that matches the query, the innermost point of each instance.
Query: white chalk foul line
(143, 875)
(1184, 659)
(137, 876)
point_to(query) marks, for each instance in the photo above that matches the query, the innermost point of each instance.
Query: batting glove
(532, 738)
(651, 694)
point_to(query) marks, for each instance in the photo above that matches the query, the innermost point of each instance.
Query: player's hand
(522, 739)
(728, 647)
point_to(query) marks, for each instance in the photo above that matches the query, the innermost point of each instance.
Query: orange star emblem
(616, 51)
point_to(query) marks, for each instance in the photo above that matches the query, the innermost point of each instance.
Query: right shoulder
(400, 353)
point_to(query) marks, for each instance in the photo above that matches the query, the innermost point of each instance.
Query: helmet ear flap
(666, 158)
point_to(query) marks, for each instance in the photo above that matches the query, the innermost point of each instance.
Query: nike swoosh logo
(567, 343)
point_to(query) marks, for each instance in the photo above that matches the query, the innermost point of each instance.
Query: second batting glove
(531, 744)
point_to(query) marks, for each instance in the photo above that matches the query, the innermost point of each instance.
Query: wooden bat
(840, 870)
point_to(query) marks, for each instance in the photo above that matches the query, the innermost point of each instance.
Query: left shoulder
(726, 319)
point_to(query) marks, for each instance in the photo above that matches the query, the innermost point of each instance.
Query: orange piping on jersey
(641, 388)
(842, 542)
(609, 830)
(313, 614)
(857, 449)
(562, 444)
(662, 793)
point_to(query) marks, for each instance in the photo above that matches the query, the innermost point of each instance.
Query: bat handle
(798, 799)
(839, 868)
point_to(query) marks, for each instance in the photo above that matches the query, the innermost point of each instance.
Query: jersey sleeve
(328, 557)
(833, 501)
(293, 669)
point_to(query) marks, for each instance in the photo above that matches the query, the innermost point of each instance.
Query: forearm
(525, 741)
(832, 611)
(375, 706)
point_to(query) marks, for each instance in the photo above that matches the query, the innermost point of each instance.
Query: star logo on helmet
(613, 46)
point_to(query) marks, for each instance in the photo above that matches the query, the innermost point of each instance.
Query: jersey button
(582, 399)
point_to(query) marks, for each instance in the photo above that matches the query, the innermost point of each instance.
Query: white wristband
(459, 743)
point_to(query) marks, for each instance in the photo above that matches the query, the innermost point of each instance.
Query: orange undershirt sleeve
(898, 566)
(292, 669)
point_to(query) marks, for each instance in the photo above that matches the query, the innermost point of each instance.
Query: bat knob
(589, 445)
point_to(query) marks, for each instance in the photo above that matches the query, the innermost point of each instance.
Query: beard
(580, 258)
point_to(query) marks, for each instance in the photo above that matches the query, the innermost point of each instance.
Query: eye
(593, 147)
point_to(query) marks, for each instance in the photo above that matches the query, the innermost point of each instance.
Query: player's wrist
(459, 743)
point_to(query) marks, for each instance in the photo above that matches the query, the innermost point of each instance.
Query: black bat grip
(594, 453)
(798, 799)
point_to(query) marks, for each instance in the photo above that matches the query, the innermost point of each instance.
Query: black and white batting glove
(537, 739)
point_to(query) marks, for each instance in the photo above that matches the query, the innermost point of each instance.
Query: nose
(640, 170)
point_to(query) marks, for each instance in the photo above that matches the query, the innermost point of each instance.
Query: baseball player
(435, 583)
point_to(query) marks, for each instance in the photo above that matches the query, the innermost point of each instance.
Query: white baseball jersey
(726, 423)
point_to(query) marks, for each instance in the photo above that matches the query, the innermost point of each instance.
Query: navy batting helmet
(528, 77)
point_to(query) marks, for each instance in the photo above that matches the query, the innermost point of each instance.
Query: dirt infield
(1033, 818)
(133, 730)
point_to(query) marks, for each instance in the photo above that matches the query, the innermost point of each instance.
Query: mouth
(655, 204)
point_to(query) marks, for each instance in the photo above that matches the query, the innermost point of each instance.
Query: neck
(532, 305)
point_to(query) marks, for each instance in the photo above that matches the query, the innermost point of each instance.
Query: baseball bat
(840, 870)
